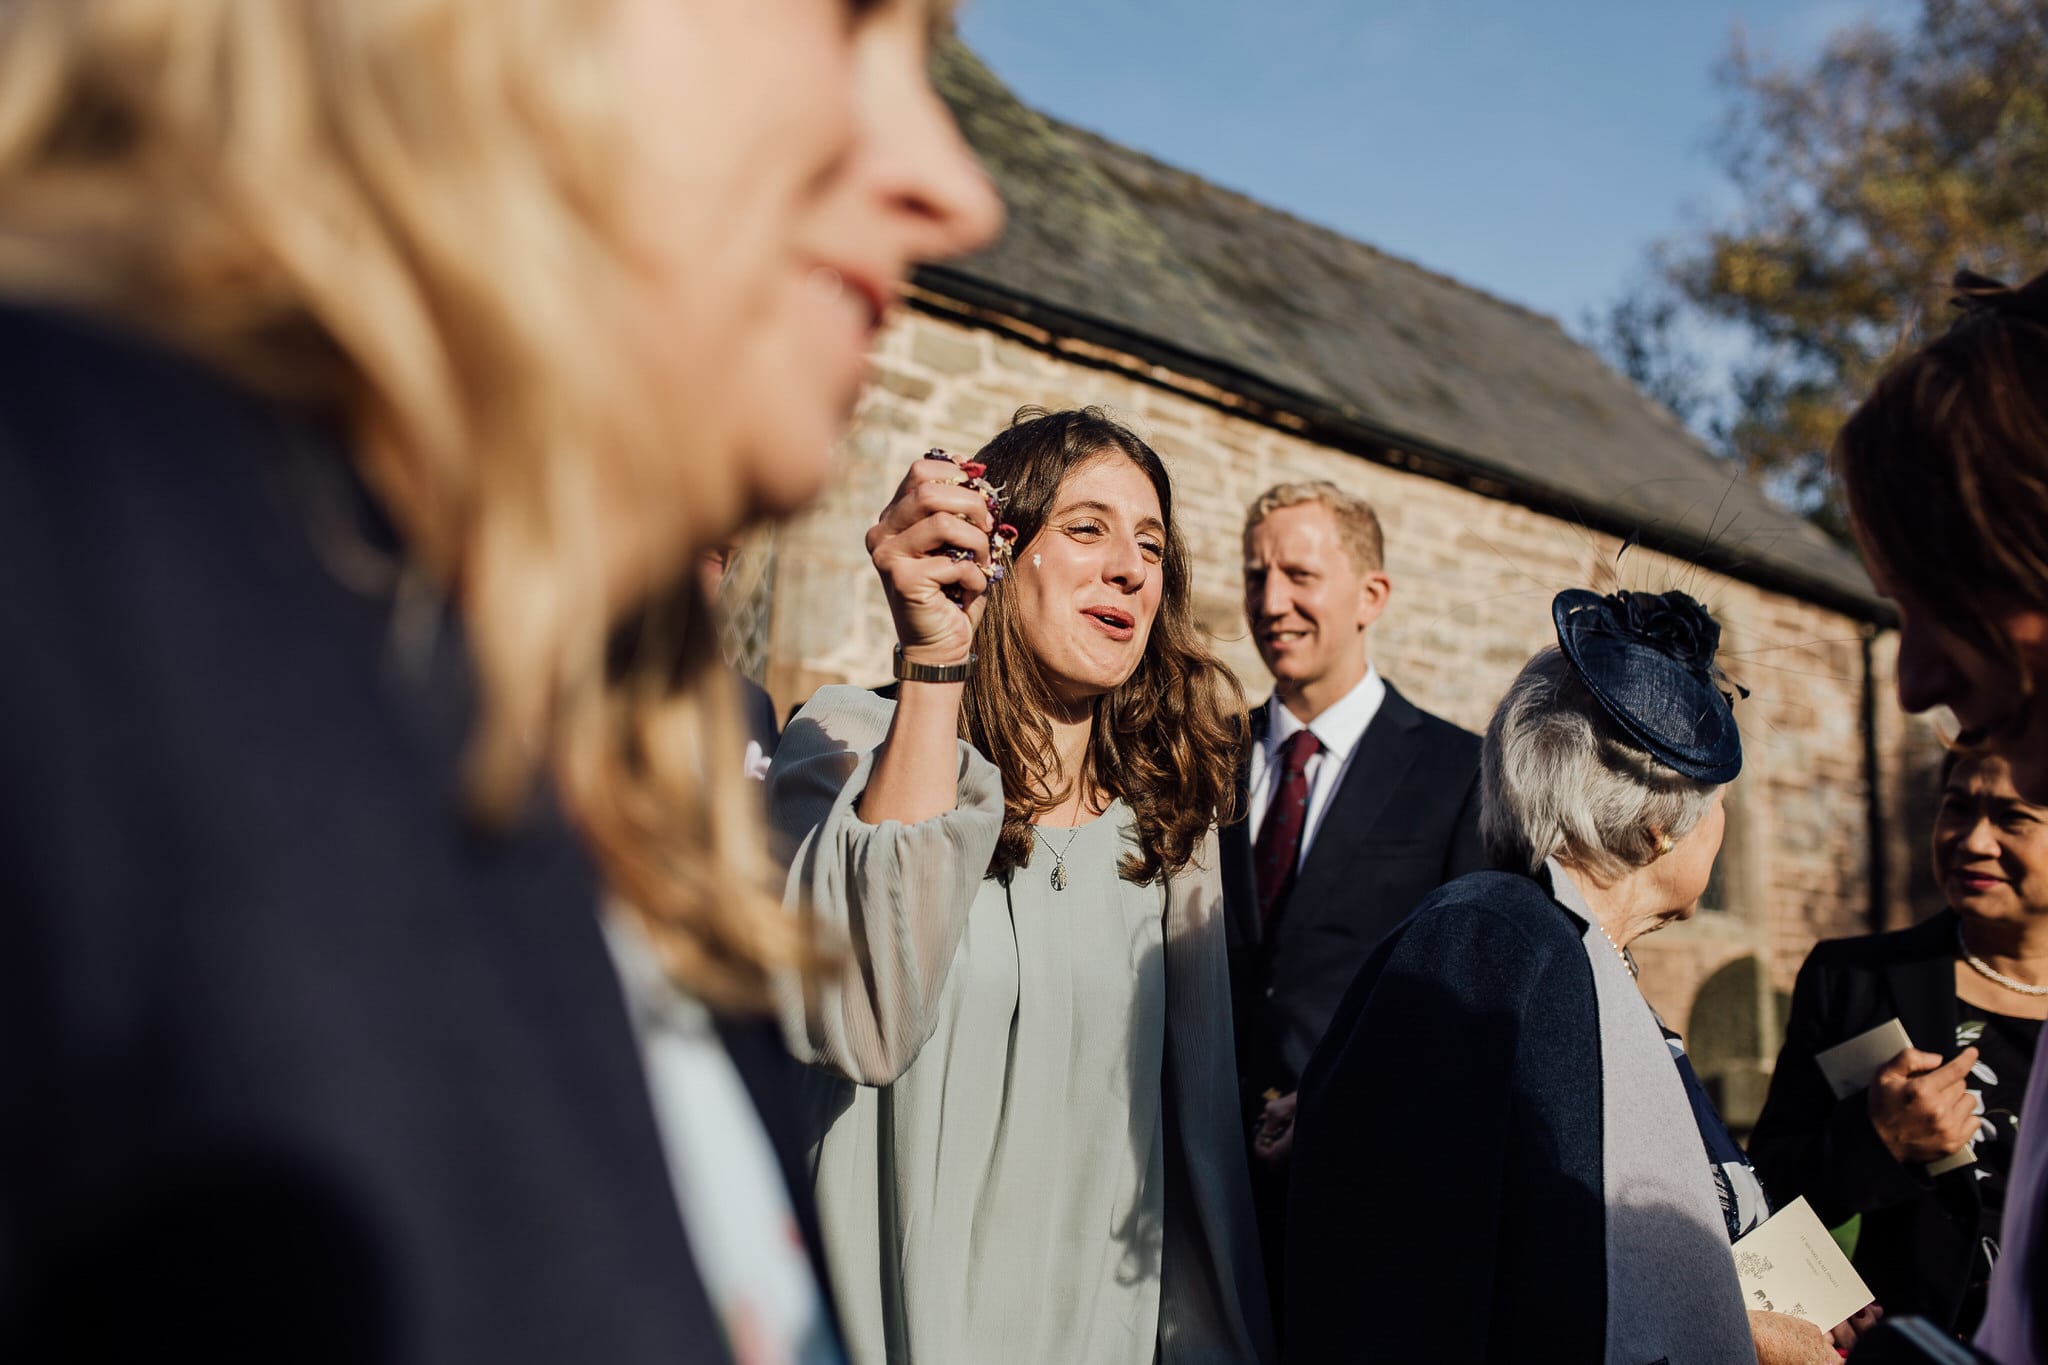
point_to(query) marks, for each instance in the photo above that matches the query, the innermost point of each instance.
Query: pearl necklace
(1985, 969)
(1622, 952)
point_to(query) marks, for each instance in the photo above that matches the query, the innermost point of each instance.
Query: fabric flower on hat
(1674, 623)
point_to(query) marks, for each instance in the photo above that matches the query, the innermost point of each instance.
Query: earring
(1664, 845)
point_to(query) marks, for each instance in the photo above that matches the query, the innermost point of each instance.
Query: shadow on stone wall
(1732, 1038)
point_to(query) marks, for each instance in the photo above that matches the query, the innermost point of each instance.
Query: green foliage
(1867, 177)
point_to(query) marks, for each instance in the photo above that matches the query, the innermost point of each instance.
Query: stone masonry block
(948, 351)
(916, 388)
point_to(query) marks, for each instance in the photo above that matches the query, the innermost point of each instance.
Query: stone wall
(1473, 578)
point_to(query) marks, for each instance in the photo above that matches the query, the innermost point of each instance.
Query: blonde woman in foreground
(372, 376)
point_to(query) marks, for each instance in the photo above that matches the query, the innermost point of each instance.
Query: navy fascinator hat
(1648, 659)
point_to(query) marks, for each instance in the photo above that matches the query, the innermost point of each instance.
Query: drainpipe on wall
(1878, 860)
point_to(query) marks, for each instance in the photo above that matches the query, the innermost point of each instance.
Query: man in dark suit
(1358, 804)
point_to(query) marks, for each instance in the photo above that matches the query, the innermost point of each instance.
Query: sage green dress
(995, 1142)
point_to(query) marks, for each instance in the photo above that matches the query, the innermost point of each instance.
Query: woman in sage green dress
(1028, 1148)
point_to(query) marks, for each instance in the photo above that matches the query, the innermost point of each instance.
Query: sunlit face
(1681, 875)
(793, 163)
(912, 191)
(1089, 584)
(1937, 667)
(1307, 600)
(1990, 847)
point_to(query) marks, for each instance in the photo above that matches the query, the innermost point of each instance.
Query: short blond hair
(1358, 526)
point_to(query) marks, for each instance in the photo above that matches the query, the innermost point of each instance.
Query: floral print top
(1744, 1206)
(2005, 1051)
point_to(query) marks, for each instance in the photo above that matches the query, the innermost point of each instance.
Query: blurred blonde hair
(1358, 525)
(406, 213)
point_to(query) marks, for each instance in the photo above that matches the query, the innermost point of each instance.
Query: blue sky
(1535, 150)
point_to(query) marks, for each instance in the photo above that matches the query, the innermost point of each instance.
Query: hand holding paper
(1851, 1066)
(1919, 1106)
(1922, 1108)
(1782, 1340)
(1790, 1265)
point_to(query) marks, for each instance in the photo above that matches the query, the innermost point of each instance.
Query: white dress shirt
(1339, 727)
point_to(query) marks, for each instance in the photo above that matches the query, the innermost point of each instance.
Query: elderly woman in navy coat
(1501, 1154)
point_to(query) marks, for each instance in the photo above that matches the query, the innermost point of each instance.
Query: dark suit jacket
(1917, 1234)
(296, 1063)
(759, 709)
(1404, 821)
(1446, 1201)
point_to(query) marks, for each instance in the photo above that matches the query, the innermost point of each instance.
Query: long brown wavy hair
(1945, 465)
(1169, 739)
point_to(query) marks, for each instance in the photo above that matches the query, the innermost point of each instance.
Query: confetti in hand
(1004, 537)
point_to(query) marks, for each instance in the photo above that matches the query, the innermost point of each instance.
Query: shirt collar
(1340, 726)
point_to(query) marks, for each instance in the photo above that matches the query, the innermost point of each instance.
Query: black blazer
(1404, 821)
(296, 1063)
(1917, 1234)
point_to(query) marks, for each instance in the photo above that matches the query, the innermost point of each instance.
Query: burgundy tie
(1279, 841)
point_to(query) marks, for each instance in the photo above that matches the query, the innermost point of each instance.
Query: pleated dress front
(1013, 1178)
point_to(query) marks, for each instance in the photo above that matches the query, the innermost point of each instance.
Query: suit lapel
(1380, 763)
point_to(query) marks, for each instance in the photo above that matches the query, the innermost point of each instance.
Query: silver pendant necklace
(1059, 855)
(1985, 969)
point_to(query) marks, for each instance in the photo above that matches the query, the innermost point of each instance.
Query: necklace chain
(1619, 951)
(1059, 855)
(1985, 969)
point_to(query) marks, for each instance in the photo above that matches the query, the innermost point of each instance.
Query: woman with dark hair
(1029, 1141)
(1927, 1241)
(1945, 468)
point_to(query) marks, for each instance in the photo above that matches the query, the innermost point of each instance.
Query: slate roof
(1108, 243)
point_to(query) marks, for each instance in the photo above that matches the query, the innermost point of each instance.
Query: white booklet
(1791, 1265)
(1850, 1067)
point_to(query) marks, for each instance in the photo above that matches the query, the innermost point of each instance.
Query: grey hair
(1558, 780)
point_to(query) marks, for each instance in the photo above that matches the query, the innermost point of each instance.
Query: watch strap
(908, 671)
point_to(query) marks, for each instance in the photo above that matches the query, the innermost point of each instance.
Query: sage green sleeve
(891, 898)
